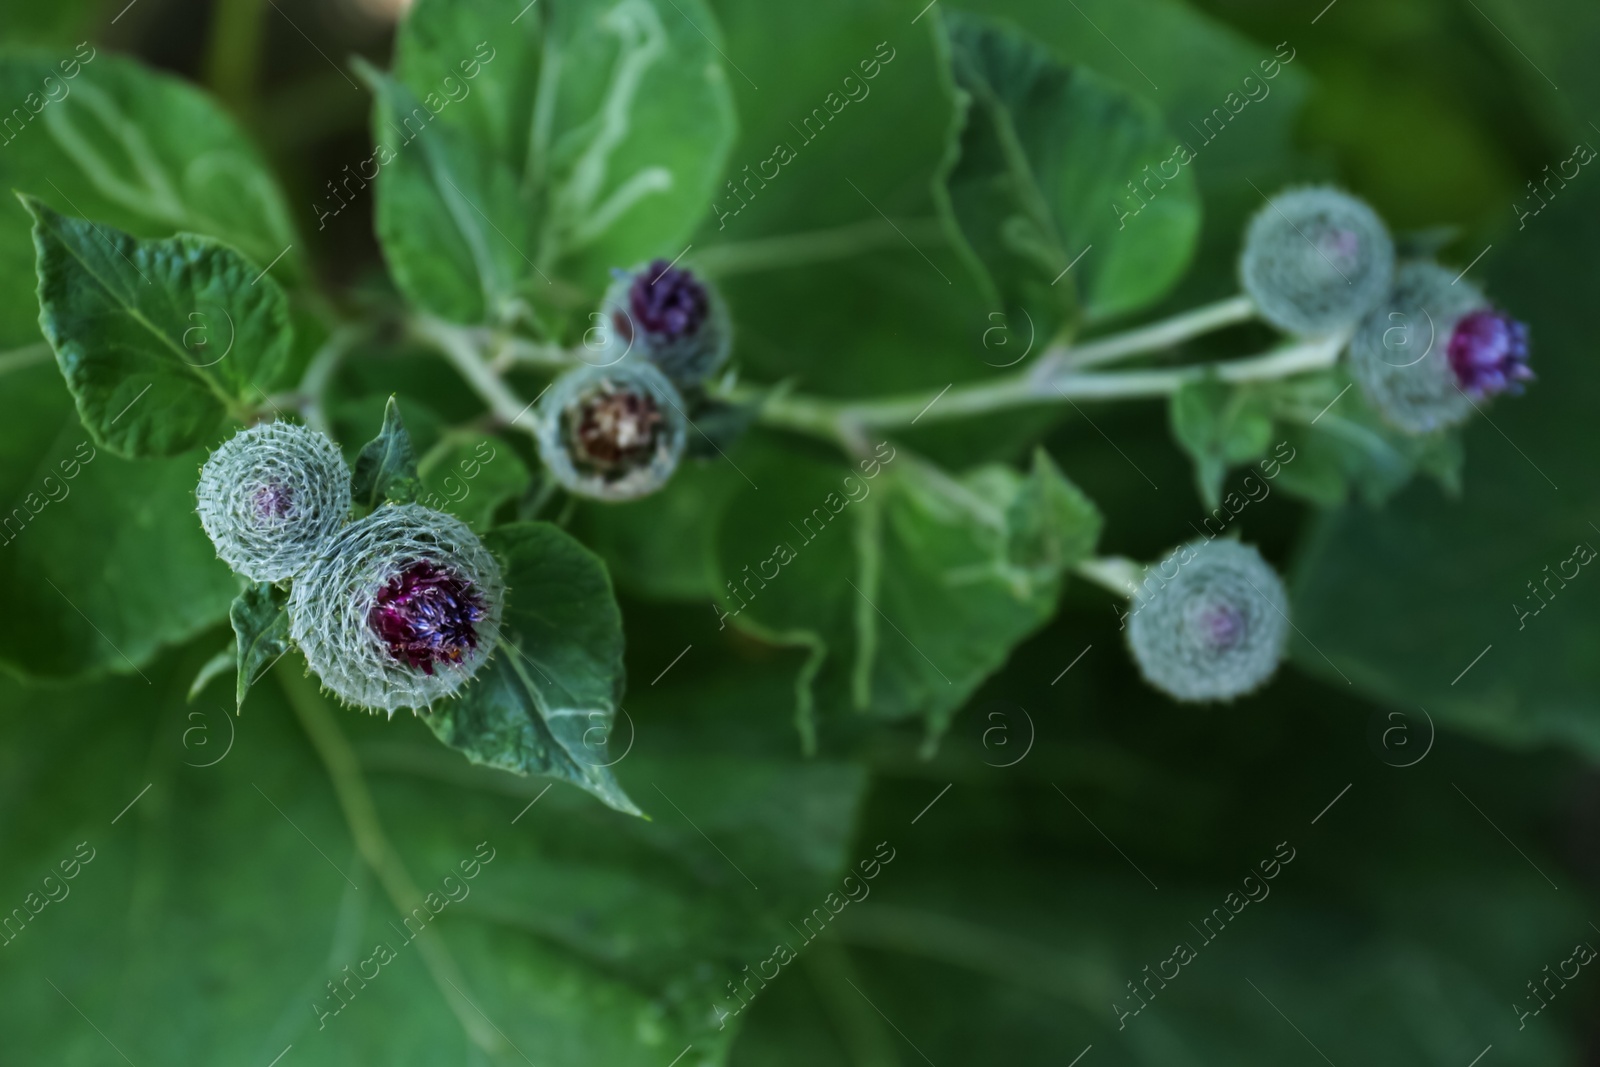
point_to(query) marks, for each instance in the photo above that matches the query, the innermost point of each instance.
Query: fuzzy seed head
(612, 433)
(1210, 622)
(270, 496)
(401, 609)
(1434, 349)
(1316, 260)
(671, 317)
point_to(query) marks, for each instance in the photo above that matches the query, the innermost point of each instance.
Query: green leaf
(471, 475)
(161, 342)
(149, 154)
(1038, 176)
(1220, 426)
(587, 938)
(386, 468)
(546, 702)
(663, 546)
(261, 629)
(571, 140)
(907, 585)
(1053, 525)
(133, 148)
(102, 559)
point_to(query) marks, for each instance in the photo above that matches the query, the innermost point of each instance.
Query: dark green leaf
(587, 938)
(132, 148)
(261, 629)
(571, 140)
(386, 468)
(102, 559)
(1039, 175)
(546, 702)
(662, 547)
(161, 342)
(908, 586)
(1220, 426)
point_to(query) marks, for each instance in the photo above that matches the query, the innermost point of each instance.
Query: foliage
(866, 580)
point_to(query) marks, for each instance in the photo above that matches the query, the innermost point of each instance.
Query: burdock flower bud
(400, 609)
(270, 496)
(1316, 260)
(669, 316)
(612, 433)
(1434, 349)
(1210, 622)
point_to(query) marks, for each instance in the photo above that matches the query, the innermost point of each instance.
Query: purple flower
(273, 501)
(1489, 353)
(667, 301)
(426, 615)
(1221, 625)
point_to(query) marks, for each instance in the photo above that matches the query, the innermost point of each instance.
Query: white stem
(1159, 335)
(1116, 573)
(457, 347)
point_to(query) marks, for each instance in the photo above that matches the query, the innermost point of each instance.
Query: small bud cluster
(612, 433)
(270, 496)
(1436, 348)
(401, 609)
(394, 610)
(1214, 631)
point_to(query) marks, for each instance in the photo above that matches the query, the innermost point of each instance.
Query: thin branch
(1157, 335)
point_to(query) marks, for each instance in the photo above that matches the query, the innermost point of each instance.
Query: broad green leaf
(471, 475)
(1220, 426)
(1039, 174)
(585, 937)
(147, 153)
(161, 342)
(662, 547)
(261, 632)
(386, 467)
(102, 559)
(908, 586)
(1477, 607)
(518, 158)
(131, 148)
(545, 704)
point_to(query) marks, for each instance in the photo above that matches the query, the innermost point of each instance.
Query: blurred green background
(1417, 910)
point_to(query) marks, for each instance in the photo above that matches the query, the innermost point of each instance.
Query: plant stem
(457, 347)
(1043, 384)
(361, 815)
(319, 372)
(233, 54)
(1158, 335)
(1116, 573)
(507, 352)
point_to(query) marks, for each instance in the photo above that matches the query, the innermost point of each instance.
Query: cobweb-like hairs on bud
(270, 496)
(670, 316)
(1316, 260)
(1210, 623)
(612, 433)
(337, 608)
(1400, 355)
